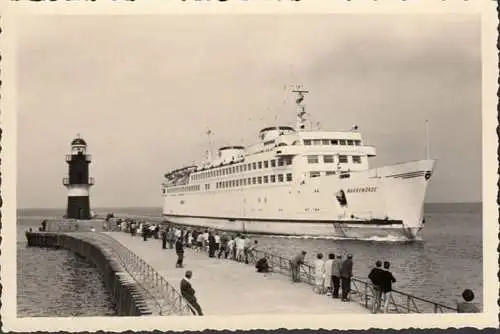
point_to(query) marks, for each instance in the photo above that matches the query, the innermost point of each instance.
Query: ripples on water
(439, 268)
(58, 283)
(447, 260)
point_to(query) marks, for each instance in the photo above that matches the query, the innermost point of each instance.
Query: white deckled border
(16, 12)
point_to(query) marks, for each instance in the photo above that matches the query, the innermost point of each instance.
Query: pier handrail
(168, 300)
(134, 277)
(399, 302)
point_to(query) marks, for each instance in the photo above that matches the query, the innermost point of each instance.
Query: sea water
(439, 268)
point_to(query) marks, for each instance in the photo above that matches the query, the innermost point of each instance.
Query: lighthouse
(78, 181)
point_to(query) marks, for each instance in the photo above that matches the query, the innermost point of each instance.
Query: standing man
(375, 277)
(223, 246)
(164, 239)
(336, 265)
(211, 244)
(217, 243)
(170, 237)
(345, 276)
(179, 250)
(231, 248)
(188, 292)
(386, 284)
(145, 230)
(295, 264)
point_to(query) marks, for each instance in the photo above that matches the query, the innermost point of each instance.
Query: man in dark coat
(179, 250)
(164, 239)
(145, 230)
(211, 244)
(188, 292)
(345, 276)
(386, 284)
(336, 266)
(376, 277)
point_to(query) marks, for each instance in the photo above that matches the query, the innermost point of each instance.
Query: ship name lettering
(362, 190)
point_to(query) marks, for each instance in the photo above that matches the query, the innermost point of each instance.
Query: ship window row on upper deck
(244, 167)
(329, 159)
(195, 187)
(279, 178)
(351, 142)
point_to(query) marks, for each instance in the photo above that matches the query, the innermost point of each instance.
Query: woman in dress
(329, 273)
(319, 274)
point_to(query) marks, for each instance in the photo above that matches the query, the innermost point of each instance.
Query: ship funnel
(231, 153)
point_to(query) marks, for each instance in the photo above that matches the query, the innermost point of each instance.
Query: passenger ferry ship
(303, 182)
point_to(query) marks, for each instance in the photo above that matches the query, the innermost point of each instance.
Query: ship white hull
(381, 202)
(302, 228)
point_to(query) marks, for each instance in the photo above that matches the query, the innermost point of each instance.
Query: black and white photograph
(197, 168)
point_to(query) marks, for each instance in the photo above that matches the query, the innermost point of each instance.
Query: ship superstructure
(300, 181)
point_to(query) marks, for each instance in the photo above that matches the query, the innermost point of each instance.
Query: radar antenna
(302, 115)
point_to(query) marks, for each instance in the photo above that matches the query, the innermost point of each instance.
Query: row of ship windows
(329, 159)
(239, 182)
(352, 142)
(184, 189)
(285, 161)
(255, 180)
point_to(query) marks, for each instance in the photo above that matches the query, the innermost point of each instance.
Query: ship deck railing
(362, 291)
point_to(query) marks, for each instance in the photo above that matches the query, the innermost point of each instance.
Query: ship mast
(303, 122)
(427, 140)
(209, 152)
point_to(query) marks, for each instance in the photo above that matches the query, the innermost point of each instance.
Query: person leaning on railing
(295, 264)
(345, 276)
(336, 266)
(188, 293)
(250, 256)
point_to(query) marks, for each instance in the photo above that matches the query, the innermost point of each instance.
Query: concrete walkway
(225, 287)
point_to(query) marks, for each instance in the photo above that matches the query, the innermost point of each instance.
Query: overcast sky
(142, 91)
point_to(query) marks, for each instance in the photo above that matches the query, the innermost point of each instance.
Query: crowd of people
(331, 277)
(237, 247)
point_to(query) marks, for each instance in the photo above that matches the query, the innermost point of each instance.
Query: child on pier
(467, 306)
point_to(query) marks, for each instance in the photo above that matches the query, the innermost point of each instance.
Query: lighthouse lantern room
(78, 181)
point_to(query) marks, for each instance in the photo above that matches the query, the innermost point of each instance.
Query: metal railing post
(366, 295)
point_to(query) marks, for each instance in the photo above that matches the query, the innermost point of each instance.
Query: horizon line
(156, 207)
